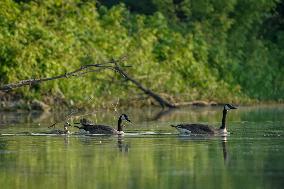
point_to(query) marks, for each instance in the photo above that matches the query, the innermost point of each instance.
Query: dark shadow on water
(162, 113)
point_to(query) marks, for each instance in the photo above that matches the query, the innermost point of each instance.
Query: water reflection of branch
(162, 113)
(7, 118)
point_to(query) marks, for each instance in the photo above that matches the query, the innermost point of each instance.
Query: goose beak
(230, 106)
(233, 107)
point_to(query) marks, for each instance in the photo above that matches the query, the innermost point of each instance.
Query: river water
(150, 155)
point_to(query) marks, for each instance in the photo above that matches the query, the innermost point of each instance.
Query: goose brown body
(98, 129)
(92, 128)
(196, 128)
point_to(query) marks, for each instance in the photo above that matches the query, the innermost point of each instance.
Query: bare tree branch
(89, 68)
(163, 103)
(75, 73)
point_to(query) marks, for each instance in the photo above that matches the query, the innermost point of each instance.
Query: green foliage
(189, 49)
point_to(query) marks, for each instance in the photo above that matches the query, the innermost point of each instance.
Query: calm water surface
(150, 155)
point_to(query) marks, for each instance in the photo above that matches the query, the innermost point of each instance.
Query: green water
(151, 155)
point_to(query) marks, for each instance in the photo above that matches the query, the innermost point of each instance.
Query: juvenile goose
(103, 129)
(196, 128)
(60, 132)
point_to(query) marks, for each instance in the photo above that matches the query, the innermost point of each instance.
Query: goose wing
(98, 129)
(196, 128)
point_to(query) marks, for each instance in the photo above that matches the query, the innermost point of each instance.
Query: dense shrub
(189, 49)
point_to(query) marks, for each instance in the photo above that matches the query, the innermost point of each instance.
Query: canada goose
(103, 129)
(196, 128)
(60, 132)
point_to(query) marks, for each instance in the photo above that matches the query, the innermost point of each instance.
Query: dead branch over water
(90, 68)
(163, 103)
(75, 73)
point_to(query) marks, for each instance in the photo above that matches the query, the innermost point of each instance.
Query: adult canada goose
(103, 129)
(196, 128)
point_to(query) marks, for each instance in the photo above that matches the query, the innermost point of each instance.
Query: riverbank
(57, 104)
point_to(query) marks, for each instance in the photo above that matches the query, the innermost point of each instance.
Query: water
(150, 155)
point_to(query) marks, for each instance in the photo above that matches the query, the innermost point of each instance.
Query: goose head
(66, 125)
(120, 126)
(124, 117)
(228, 107)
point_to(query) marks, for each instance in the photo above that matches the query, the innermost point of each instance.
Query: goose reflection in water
(121, 145)
(224, 147)
(223, 143)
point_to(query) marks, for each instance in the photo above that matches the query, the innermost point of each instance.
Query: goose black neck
(119, 126)
(223, 126)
